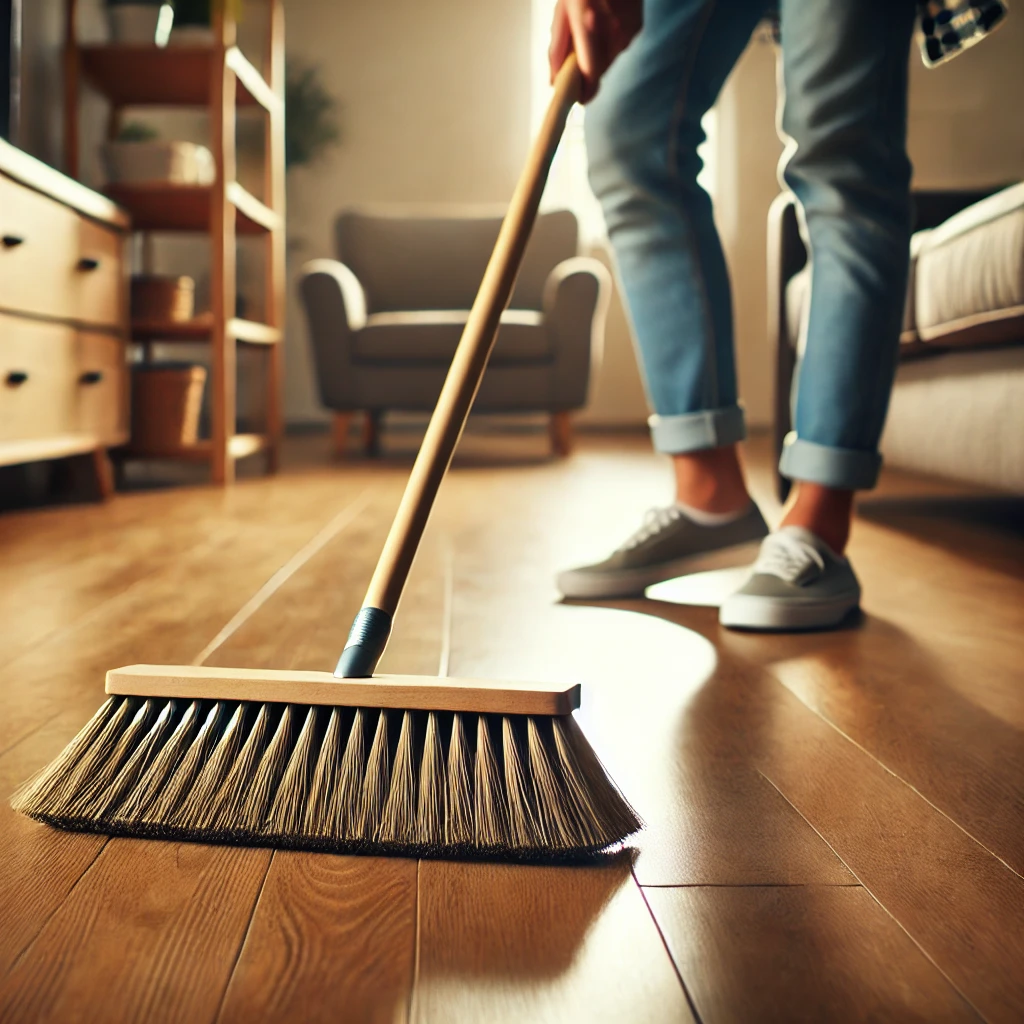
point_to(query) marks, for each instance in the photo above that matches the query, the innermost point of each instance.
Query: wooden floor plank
(333, 939)
(150, 934)
(799, 953)
(502, 943)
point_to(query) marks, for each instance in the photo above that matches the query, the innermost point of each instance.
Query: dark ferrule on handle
(372, 626)
(366, 642)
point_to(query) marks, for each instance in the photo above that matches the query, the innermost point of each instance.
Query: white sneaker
(668, 544)
(798, 582)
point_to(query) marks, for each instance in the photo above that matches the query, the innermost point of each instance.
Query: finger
(581, 42)
(561, 40)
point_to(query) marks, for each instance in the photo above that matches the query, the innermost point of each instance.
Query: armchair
(386, 316)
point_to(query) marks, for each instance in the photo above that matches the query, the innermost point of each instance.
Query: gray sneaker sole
(595, 586)
(747, 611)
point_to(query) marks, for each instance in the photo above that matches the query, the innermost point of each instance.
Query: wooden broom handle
(470, 361)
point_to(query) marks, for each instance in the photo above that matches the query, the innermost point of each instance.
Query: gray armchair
(386, 317)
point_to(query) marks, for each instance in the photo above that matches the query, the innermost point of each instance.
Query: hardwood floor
(835, 821)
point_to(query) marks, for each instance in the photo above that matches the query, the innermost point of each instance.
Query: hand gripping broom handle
(372, 625)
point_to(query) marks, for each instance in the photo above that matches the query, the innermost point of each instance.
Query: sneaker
(668, 544)
(798, 582)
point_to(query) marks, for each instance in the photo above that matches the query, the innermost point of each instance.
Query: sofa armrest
(932, 207)
(786, 257)
(575, 302)
(335, 304)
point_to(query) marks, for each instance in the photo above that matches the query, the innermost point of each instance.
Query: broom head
(407, 765)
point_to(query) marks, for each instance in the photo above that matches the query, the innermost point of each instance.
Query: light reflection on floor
(701, 589)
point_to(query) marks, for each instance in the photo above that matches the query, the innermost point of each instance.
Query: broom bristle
(306, 777)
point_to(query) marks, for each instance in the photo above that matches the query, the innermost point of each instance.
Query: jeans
(843, 117)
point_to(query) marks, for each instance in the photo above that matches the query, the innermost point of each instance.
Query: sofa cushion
(431, 336)
(411, 262)
(970, 275)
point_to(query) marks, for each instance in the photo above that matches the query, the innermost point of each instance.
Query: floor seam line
(750, 885)
(414, 988)
(49, 917)
(899, 924)
(668, 951)
(245, 938)
(309, 550)
(28, 735)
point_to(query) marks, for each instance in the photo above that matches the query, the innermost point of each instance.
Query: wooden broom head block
(414, 693)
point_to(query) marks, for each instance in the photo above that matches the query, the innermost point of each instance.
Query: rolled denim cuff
(844, 468)
(697, 431)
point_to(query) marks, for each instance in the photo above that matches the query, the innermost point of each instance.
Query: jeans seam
(711, 345)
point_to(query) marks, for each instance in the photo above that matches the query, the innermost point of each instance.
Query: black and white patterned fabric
(950, 26)
(947, 27)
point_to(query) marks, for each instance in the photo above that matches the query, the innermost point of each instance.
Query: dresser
(63, 318)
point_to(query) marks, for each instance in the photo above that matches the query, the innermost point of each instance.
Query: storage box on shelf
(63, 318)
(220, 78)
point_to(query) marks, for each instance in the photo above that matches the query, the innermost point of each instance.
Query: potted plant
(311, 115)
(140, 22)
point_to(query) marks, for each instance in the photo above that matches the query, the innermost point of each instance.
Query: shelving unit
(220, 78)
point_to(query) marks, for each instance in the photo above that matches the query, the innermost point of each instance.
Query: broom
(355, 762)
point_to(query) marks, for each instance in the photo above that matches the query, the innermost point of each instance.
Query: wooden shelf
(217, 77)
(199, 329)
(239, 447)
(172, 76)
(159, 206)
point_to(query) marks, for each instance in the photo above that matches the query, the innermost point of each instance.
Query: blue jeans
(844, 120)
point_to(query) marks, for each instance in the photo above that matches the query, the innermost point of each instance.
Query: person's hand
(598, 31)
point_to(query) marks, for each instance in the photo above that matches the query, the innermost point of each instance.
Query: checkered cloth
(950, 26)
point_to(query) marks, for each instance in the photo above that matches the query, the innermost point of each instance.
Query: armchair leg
(560, 432)
(371, 432)
(339, 433)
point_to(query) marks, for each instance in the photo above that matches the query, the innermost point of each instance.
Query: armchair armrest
(335, 304)
(575, 302)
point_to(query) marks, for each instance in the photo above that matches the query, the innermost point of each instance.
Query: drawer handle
(15, 378)
(13, 241)
(91, 377)
(88, 263)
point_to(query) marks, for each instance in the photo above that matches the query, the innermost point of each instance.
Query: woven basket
(166, 401)
(162, 300)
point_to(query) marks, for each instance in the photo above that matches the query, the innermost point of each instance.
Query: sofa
(386, 316)
(957, 407)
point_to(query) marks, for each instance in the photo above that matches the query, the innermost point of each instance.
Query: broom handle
(373, 623)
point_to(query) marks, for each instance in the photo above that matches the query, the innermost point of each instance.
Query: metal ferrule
(366, 642)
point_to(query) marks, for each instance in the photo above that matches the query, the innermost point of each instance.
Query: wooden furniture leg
(371, 432)
(340, 424)
(560, 432)
(103, 470)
